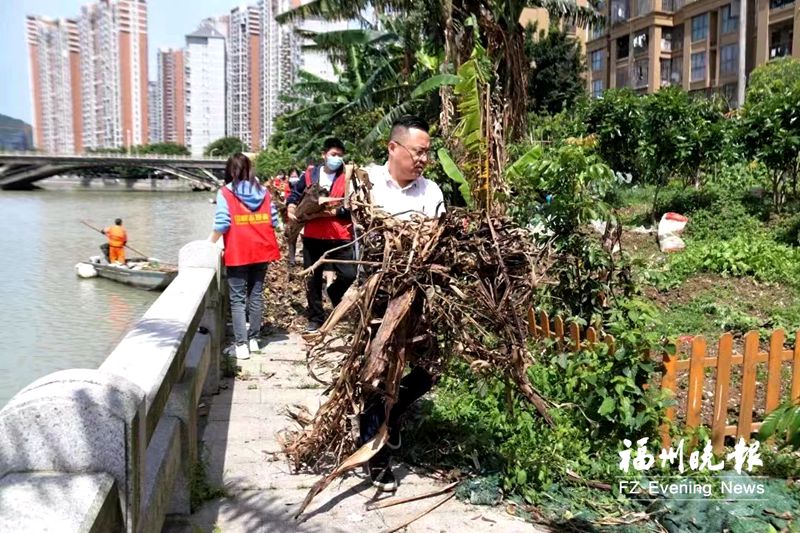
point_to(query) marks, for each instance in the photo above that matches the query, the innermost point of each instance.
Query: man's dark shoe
(312, 327)
(381, 476)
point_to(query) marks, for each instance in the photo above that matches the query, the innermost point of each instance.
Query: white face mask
(293, 179)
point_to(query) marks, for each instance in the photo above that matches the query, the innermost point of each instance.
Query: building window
(698, 66)
(597, 88)
(623, 47)
(778, 4)
(700, 27)
(623, 77)
(730, 18)
(640, 42)
(729, 59)
(641, 74)
(620, 10)
(597, 60)
(642, 7)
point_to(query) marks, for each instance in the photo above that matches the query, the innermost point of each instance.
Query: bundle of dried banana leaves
(431, 289)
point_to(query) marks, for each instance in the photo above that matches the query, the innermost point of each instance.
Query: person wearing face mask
(325, 231)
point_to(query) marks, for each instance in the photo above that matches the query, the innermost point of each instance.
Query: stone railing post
(79, 421)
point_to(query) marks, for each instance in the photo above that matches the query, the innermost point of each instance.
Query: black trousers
(412, 386)
(313, 249)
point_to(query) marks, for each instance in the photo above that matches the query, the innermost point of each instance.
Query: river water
(53, 320)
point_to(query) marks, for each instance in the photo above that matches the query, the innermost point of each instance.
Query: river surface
(53, 320)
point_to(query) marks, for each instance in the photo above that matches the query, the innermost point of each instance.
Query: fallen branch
(399, 501)
(423, 513)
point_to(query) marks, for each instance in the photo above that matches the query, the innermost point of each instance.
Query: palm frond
(385, 123)
(434, 83)
(569, 11)
(325, 9)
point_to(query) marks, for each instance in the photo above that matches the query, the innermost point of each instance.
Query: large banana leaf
(453, 172)
(434, 83)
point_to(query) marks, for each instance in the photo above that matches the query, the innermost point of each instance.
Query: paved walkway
(243, 456)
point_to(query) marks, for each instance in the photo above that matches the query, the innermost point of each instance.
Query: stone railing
(112, 449)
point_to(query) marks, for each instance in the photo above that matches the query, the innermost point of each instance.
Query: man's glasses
(417, 154)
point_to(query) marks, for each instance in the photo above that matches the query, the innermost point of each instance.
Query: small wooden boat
(140, 272)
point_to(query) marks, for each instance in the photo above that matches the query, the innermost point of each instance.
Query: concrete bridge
(21, 170)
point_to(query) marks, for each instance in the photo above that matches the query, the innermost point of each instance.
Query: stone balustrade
(113, 448)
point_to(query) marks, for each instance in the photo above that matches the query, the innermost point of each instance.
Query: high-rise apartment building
(649, 44)
(172, 88)
(280, 58)
(113, 60)
(89, 77)
(205, 87)
(244, 76)
(55, 79)
(154, 115)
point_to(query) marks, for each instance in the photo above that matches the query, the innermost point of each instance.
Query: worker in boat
(245, 219)
(117, 239)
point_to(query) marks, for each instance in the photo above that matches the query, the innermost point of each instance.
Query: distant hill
(15, 134)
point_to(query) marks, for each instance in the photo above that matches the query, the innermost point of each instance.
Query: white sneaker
(254, 347)
(242, 351)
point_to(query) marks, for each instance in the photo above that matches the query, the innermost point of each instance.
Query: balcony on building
(672, 39)
(620, 11)
(780, 42)
(670, 6)
(640, 43)
(780, 4)
(623, 47)
(671, 71)
(641, 74)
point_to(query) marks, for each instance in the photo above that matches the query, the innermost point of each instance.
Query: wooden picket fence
(722, 364)
(569, 338)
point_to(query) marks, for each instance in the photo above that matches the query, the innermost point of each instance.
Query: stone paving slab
(242, 455)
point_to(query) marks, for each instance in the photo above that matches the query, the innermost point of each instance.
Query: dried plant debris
(457, 286)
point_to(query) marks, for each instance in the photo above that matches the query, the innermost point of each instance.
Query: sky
(168, 21)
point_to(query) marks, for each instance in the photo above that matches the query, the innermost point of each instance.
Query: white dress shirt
(422, 196)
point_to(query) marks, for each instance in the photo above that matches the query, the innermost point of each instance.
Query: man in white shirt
(399, 188)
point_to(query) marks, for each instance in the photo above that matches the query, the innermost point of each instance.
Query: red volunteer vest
(329, 228)
(250, 238)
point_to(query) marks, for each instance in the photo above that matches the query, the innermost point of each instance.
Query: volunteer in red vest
(245, 219)
(117, 239)
(329, 229)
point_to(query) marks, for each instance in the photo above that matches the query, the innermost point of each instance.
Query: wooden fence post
(745, 425)
(668, 384)
(694, 403)
(719, 422)
(774, 371)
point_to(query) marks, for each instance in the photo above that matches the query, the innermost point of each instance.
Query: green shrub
(687, 200)
(744, 255)
(722, 220)
(787, 231)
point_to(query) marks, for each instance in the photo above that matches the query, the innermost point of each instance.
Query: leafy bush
(617, 120)
(723, 220)
(599, 399)
(743, 255)
(686, 200)
(574, 177)
(787, 231)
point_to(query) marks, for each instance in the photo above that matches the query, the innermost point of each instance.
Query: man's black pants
(412, 386)
(313, 249)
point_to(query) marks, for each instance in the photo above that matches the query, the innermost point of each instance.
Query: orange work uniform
(117, 238)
